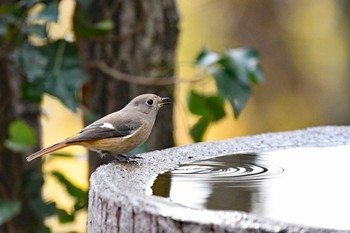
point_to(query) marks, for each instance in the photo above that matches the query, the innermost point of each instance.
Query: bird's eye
(150, 102)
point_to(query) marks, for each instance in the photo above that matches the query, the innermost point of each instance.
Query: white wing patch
(107, 126)
(130, 135)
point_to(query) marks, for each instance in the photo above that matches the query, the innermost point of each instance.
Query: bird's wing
(104, 130)
(92, 132)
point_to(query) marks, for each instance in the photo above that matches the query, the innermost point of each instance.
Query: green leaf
(21, 136)
(228, 87)
(198, 130)
(64, 85)
(210, 107)
(10, 19)
(8, 209)
(79, 205)
(86, 29)
(63, 155)
(54, 69)
(7, 8)
(64, 76)
(104, 25)
(32, 183)
(77, 193)
(65, 217)
(37, 29)
(10, 14)
(244, 64)
(42, 209)
(206, 58)
(235, 72)
(98, 29)
(33, 91)
(33, 62)
(29, 3)
(44, 229)
(49, 13)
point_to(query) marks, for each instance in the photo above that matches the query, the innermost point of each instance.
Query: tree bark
(19, 180)
(142, 43)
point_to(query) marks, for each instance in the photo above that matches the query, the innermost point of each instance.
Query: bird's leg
(133, 157)
(104, 153)
(126, 158)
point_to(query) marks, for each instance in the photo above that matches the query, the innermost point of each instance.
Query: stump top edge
(130, 185)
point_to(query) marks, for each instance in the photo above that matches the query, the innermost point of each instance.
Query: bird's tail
(47, 150)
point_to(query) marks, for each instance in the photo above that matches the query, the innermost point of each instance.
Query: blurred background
(305, 56)
(304, 48)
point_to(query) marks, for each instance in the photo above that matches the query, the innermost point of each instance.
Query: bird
(117, 132)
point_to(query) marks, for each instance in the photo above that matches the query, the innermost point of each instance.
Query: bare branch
(139, 80)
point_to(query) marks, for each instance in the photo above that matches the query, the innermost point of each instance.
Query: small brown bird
(118, 132)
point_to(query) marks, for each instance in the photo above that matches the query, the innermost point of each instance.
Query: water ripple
(301, 185)
(228, 169)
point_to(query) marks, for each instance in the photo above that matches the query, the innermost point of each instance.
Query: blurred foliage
(21, 137)
(235, 72)
(54, 67)
(79, 195)
(209, 108)
(51, 67)
(8, 209)
(56, 70)
(88, 29)
(16, 25)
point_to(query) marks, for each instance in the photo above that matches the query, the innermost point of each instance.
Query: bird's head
(149, 103)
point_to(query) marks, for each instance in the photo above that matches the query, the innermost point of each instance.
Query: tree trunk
(143, 44)
(19, 180)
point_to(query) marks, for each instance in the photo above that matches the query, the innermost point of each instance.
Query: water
(306, 186)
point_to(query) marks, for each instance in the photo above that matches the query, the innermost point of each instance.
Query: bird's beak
(164, 101)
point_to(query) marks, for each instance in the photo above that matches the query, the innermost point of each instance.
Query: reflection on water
(308, 186)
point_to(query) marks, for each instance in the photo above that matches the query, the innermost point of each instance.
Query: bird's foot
(131, 159)
(104, 153)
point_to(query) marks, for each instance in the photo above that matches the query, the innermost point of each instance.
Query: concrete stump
(120, 198)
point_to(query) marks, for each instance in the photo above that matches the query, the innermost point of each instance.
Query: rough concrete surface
(120, 200)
